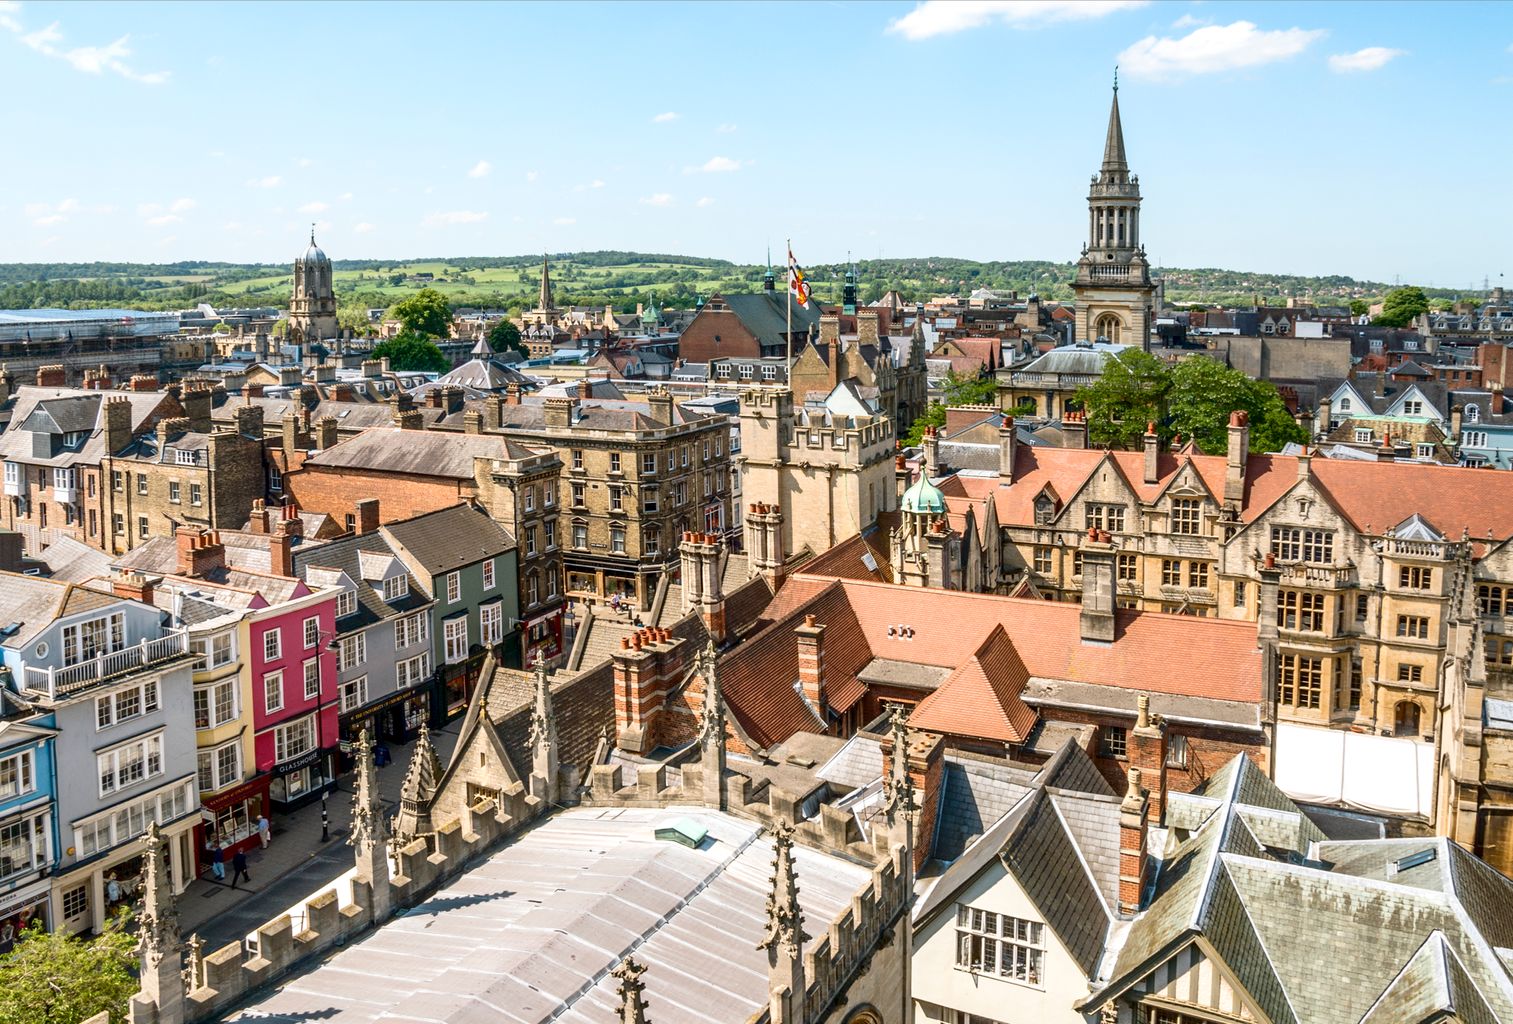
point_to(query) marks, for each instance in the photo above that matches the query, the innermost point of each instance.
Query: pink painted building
(294, 698)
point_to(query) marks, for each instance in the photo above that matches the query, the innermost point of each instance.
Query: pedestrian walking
(218, 861)
(239, 868)
(263, 832)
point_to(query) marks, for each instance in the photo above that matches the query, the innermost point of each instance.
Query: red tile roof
(981, 699)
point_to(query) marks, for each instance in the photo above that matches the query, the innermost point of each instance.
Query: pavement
(296, 863)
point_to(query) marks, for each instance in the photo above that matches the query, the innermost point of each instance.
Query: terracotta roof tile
(981, 699)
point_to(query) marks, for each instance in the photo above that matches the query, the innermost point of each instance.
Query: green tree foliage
(425, 313)
(505, 337)
(55, 978)
(353, 316)
(1359, 307)
(1193, 399)
(1202, 395)
(960, 389)
(1401, 307)
(1131, 393)
(406, 351)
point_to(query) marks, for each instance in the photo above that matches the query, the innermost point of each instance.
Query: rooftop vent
(1414, 860)
(684, 832)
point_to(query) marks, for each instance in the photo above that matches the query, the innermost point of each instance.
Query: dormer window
(1473, 413)
(1344, 405)
(74, 438)
(1282, 327)
(181, 457)
(1413, 407)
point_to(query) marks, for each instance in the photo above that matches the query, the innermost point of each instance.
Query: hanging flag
(796, 282)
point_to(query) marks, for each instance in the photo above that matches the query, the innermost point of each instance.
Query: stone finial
(158, 931)
(543, 737)
(632, 1007)
(712, 716)
(421, 778)
(898, 784)
(194, 971)
(785, 936)
(368, 825)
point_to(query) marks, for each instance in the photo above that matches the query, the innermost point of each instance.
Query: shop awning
(1335, 767)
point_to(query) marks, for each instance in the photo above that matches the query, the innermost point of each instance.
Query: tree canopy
(505, 337)
(56, 978)
(960, 389)
(426, 313)
(408, 351)
(1401, 307)
(1193, 399)
(1131, 393)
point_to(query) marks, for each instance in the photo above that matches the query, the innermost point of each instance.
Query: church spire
(1113, 143)
(544, 300)
(784, 939)
(632, 1006)
(543, 737)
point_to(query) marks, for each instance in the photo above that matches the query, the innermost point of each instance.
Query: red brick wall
(336, 492)
(697, 344)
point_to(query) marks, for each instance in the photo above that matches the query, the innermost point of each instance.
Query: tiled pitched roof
(419, 452)
(981, 699)
(449, 539)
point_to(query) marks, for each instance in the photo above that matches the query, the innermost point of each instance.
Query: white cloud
(49, 220)
(726, 128)
(596, 183)
(705, 201)
(660, 199)
(944, 17)
(1214, 48)
(304, 161)
(315, 207)
(271, 181)
(182, 205)
(715, 165)
(564, 221)
(1369, 59)
(92, 60)
(532, 175)
(456, 217)
(1188, 21)
(481, 169)
(363, 228)
(165, 218)
(47, 214)
(670, 115)
(232, 225)
(345, 197)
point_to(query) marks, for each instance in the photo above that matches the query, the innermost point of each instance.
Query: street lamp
(327, 642)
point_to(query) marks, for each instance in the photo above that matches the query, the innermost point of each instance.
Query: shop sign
(305, 760)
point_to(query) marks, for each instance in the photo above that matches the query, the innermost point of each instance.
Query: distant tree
(56, 978)
(505, 337)
(354, 318)
(426, 313)
(933, 416)
(1131, 392)
(1203, 394)
(1401, 307)
(1359, 307)
(407, 351)
(969, 389)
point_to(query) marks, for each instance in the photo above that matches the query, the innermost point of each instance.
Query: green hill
(618, 278)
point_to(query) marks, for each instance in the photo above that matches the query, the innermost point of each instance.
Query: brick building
(747, 326)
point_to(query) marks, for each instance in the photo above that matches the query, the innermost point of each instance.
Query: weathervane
(1116, 77)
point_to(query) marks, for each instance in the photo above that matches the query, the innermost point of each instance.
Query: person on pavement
(239, 868)
(263, 831)
(218, 861)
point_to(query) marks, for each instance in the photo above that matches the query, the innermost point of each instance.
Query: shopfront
(394, 718)
(20, 910)
(298, 781)
(458, 682)
(230, 818)
(542, 637)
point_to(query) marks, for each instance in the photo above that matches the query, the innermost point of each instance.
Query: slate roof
(345, 555)
(1318, 931)
(71, 406)
(448, 539)
(975, 792)
(764, 314)
(32, 603)
(419, 452)
(70, 561)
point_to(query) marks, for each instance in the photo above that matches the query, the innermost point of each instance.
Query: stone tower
(312, 308)
(1114, 292)
(544, 300)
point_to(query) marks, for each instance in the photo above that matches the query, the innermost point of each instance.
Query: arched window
(1405, 719)
(1473, 413)
(1108, 327)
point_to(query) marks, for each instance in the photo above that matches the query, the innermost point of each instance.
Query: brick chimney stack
(645, 666)
(1151, 446)
(367, 515)
(702, 587)
(926, 762)
(1073, 430)
(260, 520)
(811, 652)
(134, 586)
(1147, 743)
(325, 432)
(1134, 861)
(53, 376)
(200, 551)
(1097, 618)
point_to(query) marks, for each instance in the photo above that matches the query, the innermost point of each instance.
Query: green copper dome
(923, 496)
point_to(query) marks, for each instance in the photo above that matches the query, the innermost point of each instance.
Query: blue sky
(1362, 139)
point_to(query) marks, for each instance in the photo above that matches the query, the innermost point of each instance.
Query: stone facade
(312, 306)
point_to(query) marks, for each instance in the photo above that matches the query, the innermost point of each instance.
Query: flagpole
(788, 336)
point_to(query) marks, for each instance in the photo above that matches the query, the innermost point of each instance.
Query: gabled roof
(981, 698)
(765, 315)
(419, 452)
(439, 542)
